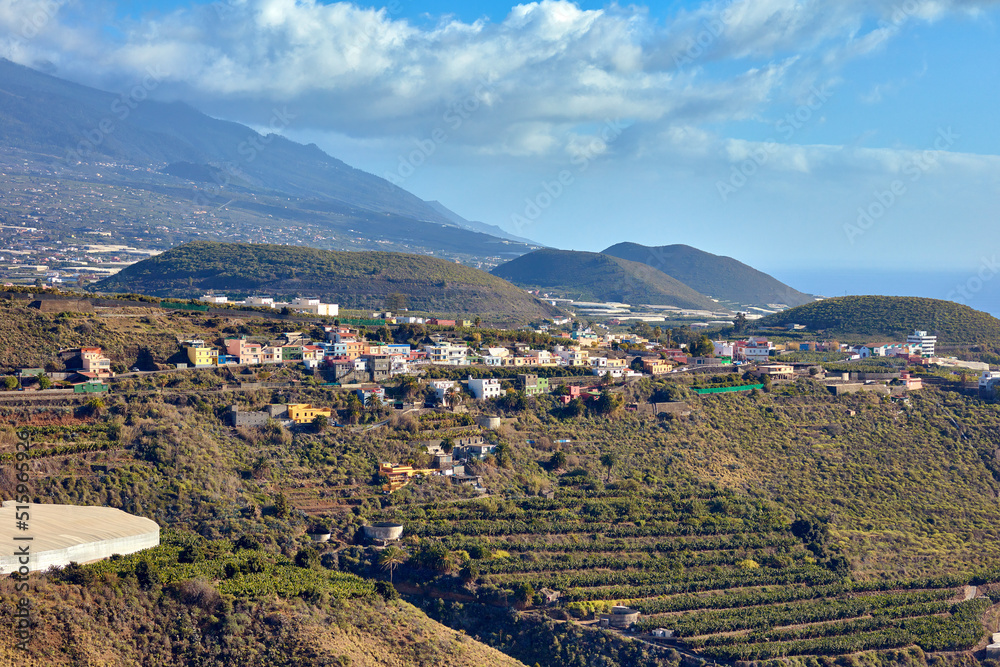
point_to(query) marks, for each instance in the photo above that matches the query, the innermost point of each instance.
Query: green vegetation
(892, 317)
(362, 280)
(590, 276)
(722, 278)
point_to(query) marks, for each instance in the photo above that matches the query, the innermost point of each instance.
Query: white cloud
(551, 68)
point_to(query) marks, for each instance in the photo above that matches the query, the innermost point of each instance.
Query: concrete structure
(64, 534)
(239, 417)
(485, 388)
(488, 421)
(925, 342)
(384, 532)
(661, 633)
(854, 387)
(620, 617)
(265, 301)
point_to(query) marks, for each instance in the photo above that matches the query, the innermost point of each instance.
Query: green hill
(359, 280)
(591, 276)
(722, 278)
(893, 317)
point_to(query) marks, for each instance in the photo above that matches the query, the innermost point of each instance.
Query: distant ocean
(979, 293)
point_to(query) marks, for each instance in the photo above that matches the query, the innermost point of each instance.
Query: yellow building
(304, 413)
(400, 475)
(203, 356)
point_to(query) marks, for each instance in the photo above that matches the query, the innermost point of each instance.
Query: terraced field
(728, 574)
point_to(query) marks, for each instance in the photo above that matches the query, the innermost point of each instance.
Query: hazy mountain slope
(475, 226)
(351, 279)
(44, 113)
(591, 276)
(70, 132)
(892, 317)
(719, 277)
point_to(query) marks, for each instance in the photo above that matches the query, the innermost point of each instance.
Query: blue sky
(795, 135)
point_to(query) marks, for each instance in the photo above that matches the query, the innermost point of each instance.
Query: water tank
(384, 531)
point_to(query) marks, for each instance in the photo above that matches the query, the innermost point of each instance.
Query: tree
(10, 383)
(607, 379)
(608, 460)
(307, 558)
(391, 558)
(701, 347)
(607, 403)
(281, 507)
(408, 386)
(320, 423)
(740, 323)
(44, 382)
(447, 445)
(478, 322)
(523, 594)
(396, 302)
(558, 460)
(453, 397)
(575, 408)
(766, 380)
(373, 402)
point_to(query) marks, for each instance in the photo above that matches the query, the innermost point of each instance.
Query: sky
(805, 138)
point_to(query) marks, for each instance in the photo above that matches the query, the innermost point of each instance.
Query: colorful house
(304, 413)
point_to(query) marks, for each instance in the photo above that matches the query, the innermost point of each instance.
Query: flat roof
(53, 527)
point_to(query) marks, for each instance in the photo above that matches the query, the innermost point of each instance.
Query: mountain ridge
(717, 276)
(591, 276)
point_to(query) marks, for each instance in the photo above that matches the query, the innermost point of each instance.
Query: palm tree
(373, 402)
(409, 386)
(477, 322)
(608, 461)
(391, 558)
(453, 398)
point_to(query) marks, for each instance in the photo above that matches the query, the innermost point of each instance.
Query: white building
(722, 348)
(211, 298)
(441, 388)
(988, 378)
(572, 356)
(925, 342)
(315, 307)
(260, 301)
(448, 354)
(485, 388)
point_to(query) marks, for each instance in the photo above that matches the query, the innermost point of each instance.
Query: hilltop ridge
(352, 279)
